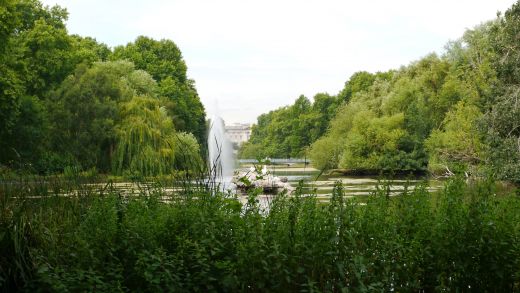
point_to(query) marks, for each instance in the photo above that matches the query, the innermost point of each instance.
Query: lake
(322, 185)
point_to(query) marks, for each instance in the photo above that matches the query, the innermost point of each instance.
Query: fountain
(220, 158)
(222, 165)
(261, 178)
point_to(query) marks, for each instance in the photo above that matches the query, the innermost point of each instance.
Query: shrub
(463, 238)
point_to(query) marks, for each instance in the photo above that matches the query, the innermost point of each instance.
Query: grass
(465, 238)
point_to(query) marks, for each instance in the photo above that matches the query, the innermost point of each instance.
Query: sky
(249, 57)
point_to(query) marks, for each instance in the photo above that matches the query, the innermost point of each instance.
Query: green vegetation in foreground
(456, 113)
(67, 100)
(463, 238)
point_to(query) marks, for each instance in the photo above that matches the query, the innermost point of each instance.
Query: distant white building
(238, 133)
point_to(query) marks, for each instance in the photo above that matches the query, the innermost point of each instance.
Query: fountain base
(245, 180)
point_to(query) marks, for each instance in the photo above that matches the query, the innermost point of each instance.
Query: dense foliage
(163, 60)
(286, 132)
(63, 103)
(502, 121)
(464, 237)
(455, 113)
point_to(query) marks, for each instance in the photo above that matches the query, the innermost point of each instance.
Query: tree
(187, 153)
(389, 115)
(289, 131)
(12, 89)
(325, 152)
(163, 60)
(59, 105)
(184, 107)
(359, 82)
(110, 116)
(85, 110)
(36, 55)
(145, 138)
(502, 120)
(457, 146)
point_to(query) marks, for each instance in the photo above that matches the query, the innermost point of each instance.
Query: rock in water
(253, 179)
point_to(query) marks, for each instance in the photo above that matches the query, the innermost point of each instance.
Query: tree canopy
(63, 103)
(288, 131)
(163, 60)
(453, 113)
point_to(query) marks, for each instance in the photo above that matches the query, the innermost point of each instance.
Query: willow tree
(86, 110)
(188, 153)
(145, 138)
(456, 147)
(164, 61)
(147, 142)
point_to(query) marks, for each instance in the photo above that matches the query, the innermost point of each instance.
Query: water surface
(313, 182)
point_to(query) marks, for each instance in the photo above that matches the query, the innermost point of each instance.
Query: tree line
(67, 100)
(454, 113)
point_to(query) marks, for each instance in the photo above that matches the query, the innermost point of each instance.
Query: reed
(73, 234)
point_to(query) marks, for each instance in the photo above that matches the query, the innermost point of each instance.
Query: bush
(463, 238)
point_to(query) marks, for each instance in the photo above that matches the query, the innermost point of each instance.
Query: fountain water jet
(220, 158)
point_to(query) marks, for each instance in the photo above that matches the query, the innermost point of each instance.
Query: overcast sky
(249, 57)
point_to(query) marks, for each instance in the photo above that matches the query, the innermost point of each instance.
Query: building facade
(238, 133)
